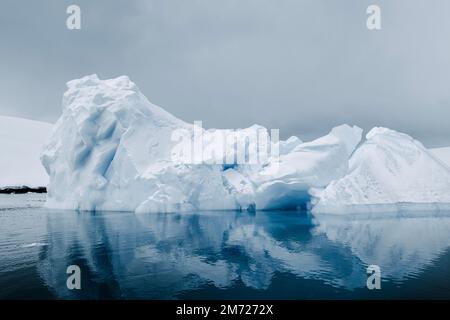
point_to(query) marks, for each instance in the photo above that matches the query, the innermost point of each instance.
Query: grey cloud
(302, 66)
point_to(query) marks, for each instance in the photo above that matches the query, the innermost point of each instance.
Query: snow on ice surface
(389, 172)
(21, 143)
(114, 150)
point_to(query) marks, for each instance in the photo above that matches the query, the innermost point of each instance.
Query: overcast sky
(302, 66)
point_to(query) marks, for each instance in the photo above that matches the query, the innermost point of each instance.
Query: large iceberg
(113, 150)
(390, 171)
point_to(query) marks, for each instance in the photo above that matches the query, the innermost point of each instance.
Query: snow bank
(390, 172)
(21, 143)
(442, 154)
(114, 150)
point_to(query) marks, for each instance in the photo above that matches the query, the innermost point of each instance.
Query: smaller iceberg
(390, 171)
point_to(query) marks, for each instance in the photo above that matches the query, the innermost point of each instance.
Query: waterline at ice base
(113, 150)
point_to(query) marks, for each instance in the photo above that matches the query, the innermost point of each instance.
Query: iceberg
(390, 171)
(113, 150)
(21, 141)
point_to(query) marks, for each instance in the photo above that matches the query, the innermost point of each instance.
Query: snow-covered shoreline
(21, 143)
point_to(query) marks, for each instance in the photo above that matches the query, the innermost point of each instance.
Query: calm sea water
(215, 255)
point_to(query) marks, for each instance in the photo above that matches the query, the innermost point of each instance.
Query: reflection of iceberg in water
(401, 246)
(165, 255)
(221, 248)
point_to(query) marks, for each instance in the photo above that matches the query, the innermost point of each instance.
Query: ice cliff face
(114, 150)
(389, 172)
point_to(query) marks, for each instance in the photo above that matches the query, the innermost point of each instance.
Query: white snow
(21, 143)
(442, 154)
(390, 172)
(114, 150)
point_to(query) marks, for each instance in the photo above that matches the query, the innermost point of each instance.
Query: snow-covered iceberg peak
(388, 172)
(114, 150)
(90, 96)
(94, 137)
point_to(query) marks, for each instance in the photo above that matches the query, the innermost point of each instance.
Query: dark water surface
(215, 255)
